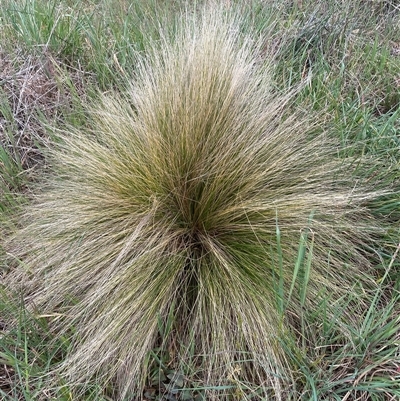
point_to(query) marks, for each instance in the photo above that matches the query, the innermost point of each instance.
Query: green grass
(158, 233)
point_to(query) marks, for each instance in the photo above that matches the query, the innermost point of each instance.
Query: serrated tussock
(189, 196)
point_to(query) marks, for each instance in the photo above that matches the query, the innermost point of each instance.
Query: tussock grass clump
(196, 195)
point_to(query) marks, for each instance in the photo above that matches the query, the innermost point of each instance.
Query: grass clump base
(197, 216)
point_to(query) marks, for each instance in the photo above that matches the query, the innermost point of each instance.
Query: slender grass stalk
(165, 214)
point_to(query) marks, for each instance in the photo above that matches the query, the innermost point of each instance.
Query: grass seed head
(195, 195)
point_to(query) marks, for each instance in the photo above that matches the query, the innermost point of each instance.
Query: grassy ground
(342, 59)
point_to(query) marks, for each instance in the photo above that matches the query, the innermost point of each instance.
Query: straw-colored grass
(196, 195)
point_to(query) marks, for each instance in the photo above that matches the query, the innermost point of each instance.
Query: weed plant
(201, 194)
(216, 227)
